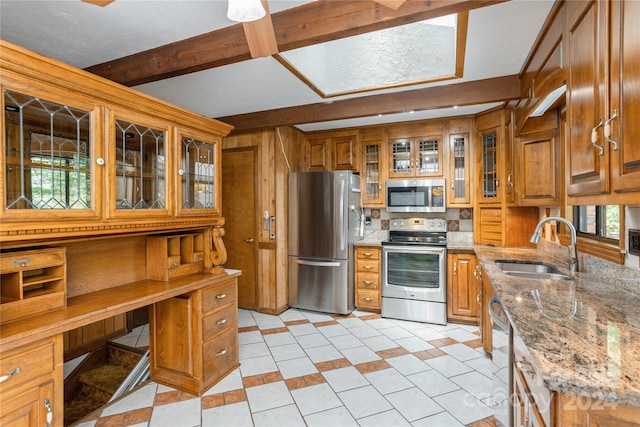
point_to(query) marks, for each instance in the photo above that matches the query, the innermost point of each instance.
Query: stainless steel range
(414, 269)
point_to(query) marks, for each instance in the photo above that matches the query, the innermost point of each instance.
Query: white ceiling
(498, 41)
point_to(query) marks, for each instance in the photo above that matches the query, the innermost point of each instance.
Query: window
(601, 222)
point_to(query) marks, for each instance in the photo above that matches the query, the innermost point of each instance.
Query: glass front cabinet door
(49, 161)
(138, 149)
(373, 195)
(459, 167)
(198, 174)
(489, 161)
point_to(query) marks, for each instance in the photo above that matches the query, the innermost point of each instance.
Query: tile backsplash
(459, 223)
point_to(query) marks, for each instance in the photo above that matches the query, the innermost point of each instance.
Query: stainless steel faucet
(573, 254)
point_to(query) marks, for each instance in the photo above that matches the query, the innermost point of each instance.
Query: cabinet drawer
(366, 266)
(216, 296)
(220, 354)
(30, 260)
(32, 365)
(368, 281)
(367, 253)
(368, 299)
(533, 381)
(217, 322)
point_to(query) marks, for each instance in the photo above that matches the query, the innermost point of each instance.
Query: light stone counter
(592, 350)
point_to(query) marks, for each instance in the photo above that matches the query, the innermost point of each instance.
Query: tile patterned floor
(311, 369)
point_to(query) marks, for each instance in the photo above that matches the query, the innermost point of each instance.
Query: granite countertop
(583, 335)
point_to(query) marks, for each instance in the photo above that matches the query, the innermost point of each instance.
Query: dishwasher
(501, 355)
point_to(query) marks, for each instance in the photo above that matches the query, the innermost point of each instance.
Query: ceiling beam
(312, 23)
(468, 93)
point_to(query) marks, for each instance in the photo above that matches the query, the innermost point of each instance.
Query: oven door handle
(318, 263)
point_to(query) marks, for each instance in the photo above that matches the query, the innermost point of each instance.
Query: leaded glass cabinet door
(199, 174)
(429, 156)
(459, 167)
(400, 156)
(489, 155)
(138, 166)
(50, 168)
(373, 191)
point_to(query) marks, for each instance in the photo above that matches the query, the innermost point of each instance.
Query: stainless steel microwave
(416, 195)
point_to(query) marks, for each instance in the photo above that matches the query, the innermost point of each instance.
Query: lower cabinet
(533, 404)
(462, 288)
(195, 337)
(368, 283)
(485, 293)
(31, 385)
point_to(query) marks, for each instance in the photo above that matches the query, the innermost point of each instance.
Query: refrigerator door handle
(319, 263)
(342, 232)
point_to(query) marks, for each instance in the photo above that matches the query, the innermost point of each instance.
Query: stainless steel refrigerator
(325, 219)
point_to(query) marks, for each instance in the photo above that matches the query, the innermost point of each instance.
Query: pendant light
(245, 10)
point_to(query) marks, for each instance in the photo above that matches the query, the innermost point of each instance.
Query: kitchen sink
(531, 270)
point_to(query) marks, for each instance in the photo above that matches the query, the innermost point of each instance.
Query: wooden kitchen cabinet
(415, 157)
(195, 337)
(373, 179)
(32, 282)
(32, 394)
(368, 283)
(538, 168)
(337, 150)
(110, 151)
(459, 171)
(462, 288)
(603, 57)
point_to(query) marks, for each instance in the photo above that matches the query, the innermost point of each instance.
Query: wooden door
(586, 53)
(239, 210)
(625, 92)
(462, 288)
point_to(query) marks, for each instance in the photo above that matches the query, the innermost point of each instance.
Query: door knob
(249, 240)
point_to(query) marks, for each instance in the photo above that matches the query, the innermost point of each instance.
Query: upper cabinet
(488, 152)
(137, 166)
(372, 171)
(199, 173)
(415, 156)
(337, 150)
(460, 163)
(603, 57)
(82, 156)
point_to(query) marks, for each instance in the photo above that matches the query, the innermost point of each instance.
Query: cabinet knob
(100, 161)
(181, 172)
(175, 263)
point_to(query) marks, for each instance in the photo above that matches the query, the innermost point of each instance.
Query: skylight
(412, 54)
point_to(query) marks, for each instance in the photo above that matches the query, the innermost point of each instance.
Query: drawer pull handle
(367, 267)
(221, 353)
(525, 367)
(221, 296)
(367, 253)
(22, 262)
(47, 405)
(9, 375)
(221, 322)
(367, 282)
(367, 299)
